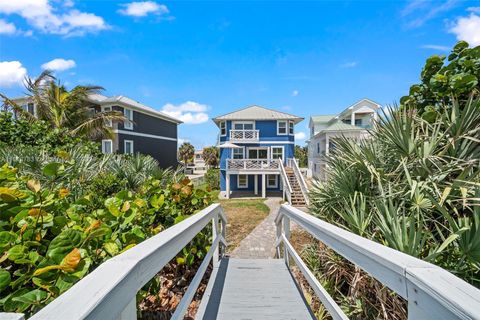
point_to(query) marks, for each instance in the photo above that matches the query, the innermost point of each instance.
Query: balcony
(244, 135)
(253, 164)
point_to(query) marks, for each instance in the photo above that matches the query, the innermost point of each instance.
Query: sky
(196, 60)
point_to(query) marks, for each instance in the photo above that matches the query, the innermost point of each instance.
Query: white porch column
(353, 119)
(255, 184)
(264, 186)
(327, 144)
(228, 185)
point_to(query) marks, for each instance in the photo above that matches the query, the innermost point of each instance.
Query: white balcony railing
(244, 135)
(253, 164)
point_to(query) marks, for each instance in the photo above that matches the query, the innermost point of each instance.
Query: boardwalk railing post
(279, 235)
(286, 232)
(215, 258)
(130, 311)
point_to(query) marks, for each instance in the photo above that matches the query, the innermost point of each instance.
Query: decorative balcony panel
(244, 135)
(253, 164)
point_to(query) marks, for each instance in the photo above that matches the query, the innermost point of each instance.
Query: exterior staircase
(298, 200)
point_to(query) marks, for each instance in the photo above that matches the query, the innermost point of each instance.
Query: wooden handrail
(109, 291)
(431, 292)
(285, 181)
(301, 180)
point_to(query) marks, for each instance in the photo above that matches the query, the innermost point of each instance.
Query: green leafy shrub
(212, 178)
(51, 237)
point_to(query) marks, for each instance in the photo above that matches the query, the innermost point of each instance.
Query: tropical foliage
(186, 153)
(61, 216)
(211, 156)
(212, 178)
(301, 154)
(414, 186)
(460, 78)
(65, 110)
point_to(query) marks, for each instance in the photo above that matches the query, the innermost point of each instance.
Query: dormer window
(282, 127)
(290, 127)
(223, 128)
(128, 113)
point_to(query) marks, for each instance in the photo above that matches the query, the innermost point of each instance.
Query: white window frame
(243, 123)
(278, 127)
(257, 148)
(268, 181)
(103, 146)
(129, 123)
(291, 128)
(242, 186)
(125, 146)
(279, 147)
(106, 109)
(243, 152)
(224, 124)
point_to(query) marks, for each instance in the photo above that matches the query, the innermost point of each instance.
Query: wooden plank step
(253, 289)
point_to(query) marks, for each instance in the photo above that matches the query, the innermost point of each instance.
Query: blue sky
(198, 60)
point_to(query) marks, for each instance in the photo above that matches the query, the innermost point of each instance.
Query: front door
(257, 153)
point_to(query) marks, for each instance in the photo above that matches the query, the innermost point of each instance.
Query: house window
(242, 181)
(358, 122)
(107, 146)
(128, 147)
(107, 109)
(272, 181)
(281, 127)
(290, 127)
(257, 153)
(318, 147)
(315, 167)
(242, 125)
(238, 153)
(128, 113)
(223, 128)
(277, 153)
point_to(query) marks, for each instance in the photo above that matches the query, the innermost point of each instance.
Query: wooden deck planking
(247, 289)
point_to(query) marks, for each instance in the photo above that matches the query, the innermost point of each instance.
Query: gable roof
(341, 126)
(257, 113)
(128, 102)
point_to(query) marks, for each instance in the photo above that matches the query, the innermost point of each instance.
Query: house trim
(125, 146)
(286, 128)
(146, 135)
(238, 182)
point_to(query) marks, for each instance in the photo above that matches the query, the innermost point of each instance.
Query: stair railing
(109, 292)
(301, 180)
(287, 188)
(431, 292)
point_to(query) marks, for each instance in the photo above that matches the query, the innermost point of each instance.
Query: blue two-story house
(256, 147)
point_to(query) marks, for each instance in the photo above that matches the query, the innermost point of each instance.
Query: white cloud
(42, 16)
(418, 12)
(7, 27)
(468, 29)
(182, 141)
(12, 73)
(143, 8)
(300, 135)
(295, 93)
(435, 47)
(474, 9)
(189, 112)
(59, 64)
(351, 64)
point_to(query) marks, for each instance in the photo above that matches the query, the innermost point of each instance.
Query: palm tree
(186, 152)
(65, 109)
(210, 156)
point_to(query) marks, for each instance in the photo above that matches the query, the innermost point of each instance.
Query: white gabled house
(353, 122)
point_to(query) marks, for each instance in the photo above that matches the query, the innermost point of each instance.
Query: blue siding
(268, 133)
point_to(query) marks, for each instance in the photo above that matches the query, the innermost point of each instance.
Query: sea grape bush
(51, 238)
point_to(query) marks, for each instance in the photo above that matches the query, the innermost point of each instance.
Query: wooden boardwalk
(253, 289)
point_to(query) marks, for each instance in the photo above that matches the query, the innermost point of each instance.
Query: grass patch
(243, 215)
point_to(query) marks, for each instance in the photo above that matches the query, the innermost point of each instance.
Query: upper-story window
(128, 113)
(277, 153)
(107, 109)
(223, 128)
(358, 122)
(290, 127)
(242, 125)
(238, 153)
(318, 147)
(282, 127)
